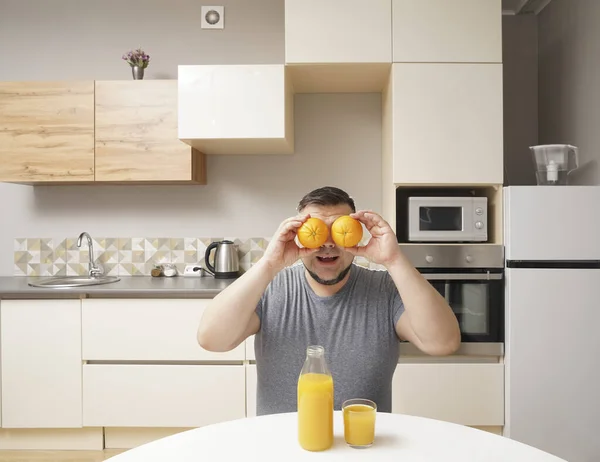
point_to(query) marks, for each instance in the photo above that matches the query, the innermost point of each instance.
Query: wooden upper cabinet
(447, 31)
(136, 134)
(46, 132)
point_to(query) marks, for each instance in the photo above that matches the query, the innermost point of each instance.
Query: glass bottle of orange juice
(315, 402)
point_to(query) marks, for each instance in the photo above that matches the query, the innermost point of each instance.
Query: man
(355, 313)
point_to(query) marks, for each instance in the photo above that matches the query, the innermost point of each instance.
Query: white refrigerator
(552, 336)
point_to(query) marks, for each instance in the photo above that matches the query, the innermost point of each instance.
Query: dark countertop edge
(17, 287)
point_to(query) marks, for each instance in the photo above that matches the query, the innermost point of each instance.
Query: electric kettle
(226, 260)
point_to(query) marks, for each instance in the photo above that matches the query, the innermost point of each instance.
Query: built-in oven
(471, 280)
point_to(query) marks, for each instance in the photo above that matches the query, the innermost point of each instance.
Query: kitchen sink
(60, 282)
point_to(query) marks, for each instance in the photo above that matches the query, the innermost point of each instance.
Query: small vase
(137, 72)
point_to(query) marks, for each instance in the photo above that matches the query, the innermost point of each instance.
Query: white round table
(398, 438)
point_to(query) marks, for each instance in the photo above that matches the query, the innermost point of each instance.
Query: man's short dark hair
(327, 195)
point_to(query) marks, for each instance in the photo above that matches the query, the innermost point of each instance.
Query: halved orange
(346, 231)
(313, 233)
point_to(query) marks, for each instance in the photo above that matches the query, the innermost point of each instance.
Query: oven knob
(469, 259)
(479, 225)
(478, 210)
(429, 259)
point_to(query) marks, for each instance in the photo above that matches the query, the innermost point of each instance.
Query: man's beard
(329, 282)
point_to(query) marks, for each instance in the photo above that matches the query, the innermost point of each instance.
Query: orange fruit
(313, 233)
(346, 231)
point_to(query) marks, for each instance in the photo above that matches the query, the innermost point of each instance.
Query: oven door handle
(462, 276)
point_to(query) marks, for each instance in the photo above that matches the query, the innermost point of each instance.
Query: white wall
(85, 39)
(569, 83)
(338, 137)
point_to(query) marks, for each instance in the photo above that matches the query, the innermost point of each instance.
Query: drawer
(146, 330)
(467, 394)
(120, 395)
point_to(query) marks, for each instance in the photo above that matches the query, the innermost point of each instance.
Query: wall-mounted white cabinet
(446, 123)
(441, 31)
(236, 109)
(338, 31)
(41, 363)
(338, 46)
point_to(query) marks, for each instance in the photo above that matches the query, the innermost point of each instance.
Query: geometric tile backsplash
(124, 256)
(120, 256)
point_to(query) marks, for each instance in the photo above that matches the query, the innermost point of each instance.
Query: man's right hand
(283, 251)
(230, 317)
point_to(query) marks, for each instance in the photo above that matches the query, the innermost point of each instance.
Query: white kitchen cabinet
(130, 395)
(338, 31)
(441, 31)
(146, 330)
(250, 355)
(0, 367)
(41, 363)
(236, 109)
(447, 124)
(251, 379)
(467, 394)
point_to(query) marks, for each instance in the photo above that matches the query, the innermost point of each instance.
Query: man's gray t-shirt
(355, 326)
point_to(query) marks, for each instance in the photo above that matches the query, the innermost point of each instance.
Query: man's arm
(428, 321)
(230, 317)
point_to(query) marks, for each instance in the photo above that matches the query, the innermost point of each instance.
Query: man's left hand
(383, 246)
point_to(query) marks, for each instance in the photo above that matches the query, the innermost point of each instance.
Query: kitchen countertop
(128, 286)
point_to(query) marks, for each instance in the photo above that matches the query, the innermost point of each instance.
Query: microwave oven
(447, 219)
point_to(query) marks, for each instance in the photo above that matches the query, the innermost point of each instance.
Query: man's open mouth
(327, 259)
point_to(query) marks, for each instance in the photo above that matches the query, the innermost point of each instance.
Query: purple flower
(137, 57)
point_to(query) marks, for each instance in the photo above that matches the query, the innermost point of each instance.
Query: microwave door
(441, 218)
(447, 219)
(432, 222)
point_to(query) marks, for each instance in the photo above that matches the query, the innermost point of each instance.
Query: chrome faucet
(94, 270)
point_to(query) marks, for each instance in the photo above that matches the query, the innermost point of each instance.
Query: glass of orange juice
(359, 422)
